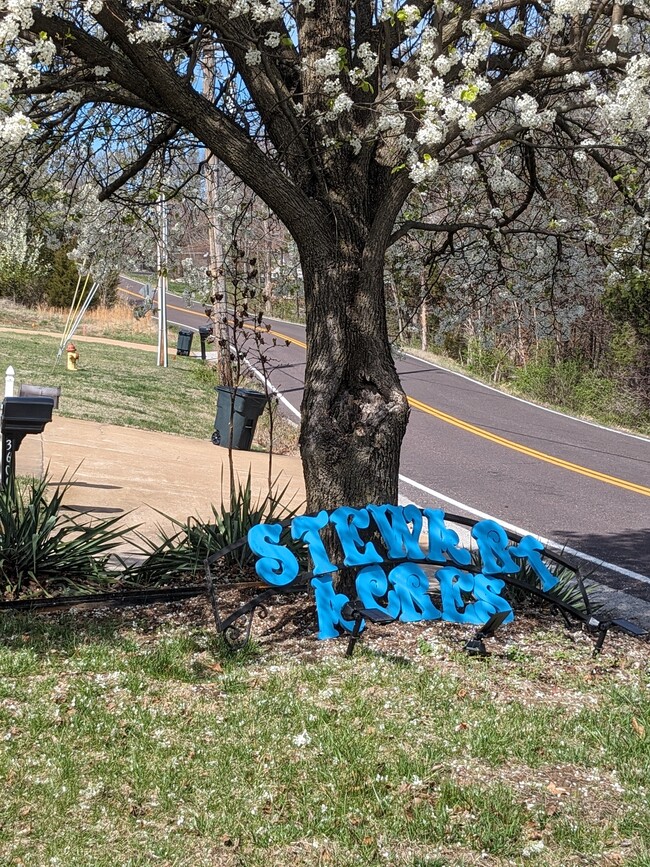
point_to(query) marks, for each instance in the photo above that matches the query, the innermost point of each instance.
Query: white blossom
(253, 57)
(443, 63)
(367, 57)
(424, 171)
(527, 111)
(405, 86)
(341, 104)
(571, 7)
(15, 128)
(328, 65)
(150, 31)
(238, 8)
(272, 39)
(409, 15)
(265, 10)
(302, 740)
(430, 133)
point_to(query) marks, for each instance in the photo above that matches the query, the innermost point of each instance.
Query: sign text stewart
(415, 536)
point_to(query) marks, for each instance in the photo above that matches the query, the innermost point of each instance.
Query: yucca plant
(42, 550)
(571, 595)
(184, 551)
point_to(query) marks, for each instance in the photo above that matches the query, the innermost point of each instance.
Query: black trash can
(184, 342)
(248, 407)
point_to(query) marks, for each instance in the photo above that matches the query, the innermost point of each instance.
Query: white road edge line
(269, 385)
(523, 400)
(548, 543)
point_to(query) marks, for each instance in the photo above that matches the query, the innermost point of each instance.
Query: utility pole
(423, 312)
(163, 266)
(217, 266)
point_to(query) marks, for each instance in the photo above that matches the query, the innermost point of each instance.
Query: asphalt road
(474, 450)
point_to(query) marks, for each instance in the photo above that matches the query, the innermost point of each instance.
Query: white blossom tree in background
(333, 112)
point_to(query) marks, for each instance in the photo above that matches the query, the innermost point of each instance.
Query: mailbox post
(205, 333)
(21, 416)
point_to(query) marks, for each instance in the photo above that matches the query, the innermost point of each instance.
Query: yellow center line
(509, 444)
(480, 432)
(533, 453)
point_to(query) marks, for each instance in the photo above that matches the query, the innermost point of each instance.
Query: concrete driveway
(136, 474)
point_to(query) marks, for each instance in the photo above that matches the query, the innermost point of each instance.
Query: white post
(10, 377)
(217, 269)
(163, 265)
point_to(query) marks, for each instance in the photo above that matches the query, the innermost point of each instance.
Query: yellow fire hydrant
(73, 356)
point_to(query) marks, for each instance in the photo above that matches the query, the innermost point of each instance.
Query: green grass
(115, 323)
(135, 741)
(122, 385)
(117, 385)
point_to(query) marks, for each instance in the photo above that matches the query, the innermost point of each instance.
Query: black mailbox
(205, 333)
(21, 416)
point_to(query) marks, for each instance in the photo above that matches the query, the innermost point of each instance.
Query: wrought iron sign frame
(338, 614)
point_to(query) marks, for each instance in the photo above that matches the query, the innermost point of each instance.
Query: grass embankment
(119, 385)
(136, 741)
(115, 323)
(565, 387)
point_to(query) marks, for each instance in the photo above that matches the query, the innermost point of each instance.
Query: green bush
(63, 279)
(44, 552)
(573, 387)
(185, 550)
(548, 382)
(489, 362)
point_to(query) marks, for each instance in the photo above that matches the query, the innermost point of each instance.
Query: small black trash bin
(248, 407)
(184, 342)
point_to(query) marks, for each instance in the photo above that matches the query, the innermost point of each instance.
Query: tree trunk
(398, 310)
(354, 409)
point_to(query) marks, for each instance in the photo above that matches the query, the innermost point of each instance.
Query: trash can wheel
(216, 438)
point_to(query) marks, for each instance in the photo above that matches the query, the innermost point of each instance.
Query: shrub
(22, 266)
(45, 552)
(63, 279)
(184, 551)
(489, 362)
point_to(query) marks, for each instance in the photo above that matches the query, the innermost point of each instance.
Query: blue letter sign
(418, 537)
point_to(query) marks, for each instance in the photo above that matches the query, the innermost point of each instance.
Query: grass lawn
(118, 384)
(136, 740)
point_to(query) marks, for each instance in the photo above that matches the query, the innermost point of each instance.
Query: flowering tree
(20, 258)
(333, 111)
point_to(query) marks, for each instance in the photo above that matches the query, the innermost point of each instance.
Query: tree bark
(354, 409)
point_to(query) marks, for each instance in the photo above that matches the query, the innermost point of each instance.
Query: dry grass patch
(117, 322)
